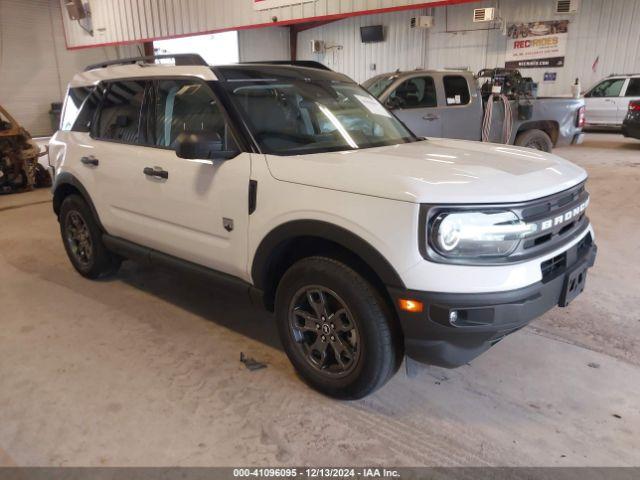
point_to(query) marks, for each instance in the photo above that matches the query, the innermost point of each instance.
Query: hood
(434, 171)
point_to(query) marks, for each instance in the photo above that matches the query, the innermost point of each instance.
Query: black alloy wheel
(324, 330)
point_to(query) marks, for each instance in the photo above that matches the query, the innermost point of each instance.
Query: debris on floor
(593, 365)
(251, 363)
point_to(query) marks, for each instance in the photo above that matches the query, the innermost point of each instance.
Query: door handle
(431, 117)
(155, 172)
(90, 160)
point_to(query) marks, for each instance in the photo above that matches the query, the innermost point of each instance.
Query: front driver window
(608, 88)
(419, 92)
(187, 106)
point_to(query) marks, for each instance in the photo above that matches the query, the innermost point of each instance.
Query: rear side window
(633, 90)
(456, 90)
(80, 108)
(419, 92)
(120, 117)
(186, 106)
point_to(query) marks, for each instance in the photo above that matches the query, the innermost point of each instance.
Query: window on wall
(456, 90)
(216, 49)
(418, 92)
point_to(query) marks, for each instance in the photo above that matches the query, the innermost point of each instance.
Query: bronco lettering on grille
(565, 217)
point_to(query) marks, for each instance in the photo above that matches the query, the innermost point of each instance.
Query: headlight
(477, 234)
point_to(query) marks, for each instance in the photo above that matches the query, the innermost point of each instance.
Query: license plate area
(574, 284)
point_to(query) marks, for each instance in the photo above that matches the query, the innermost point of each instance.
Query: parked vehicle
(631, 124)
(19, 153)
(296, 186)
(448, 104)
(608, 101)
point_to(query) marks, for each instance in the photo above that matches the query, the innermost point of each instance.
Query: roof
(191, 65)
(92, 77)
(417, 71)
(264, 71)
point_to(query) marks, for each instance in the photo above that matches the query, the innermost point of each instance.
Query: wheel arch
(550, 127)
(66, 184)
(295, 240)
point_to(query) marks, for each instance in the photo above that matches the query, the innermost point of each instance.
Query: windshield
(301, 116)
(377, 85)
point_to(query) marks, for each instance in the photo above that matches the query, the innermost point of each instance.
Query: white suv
(607, 102)
(294, 185)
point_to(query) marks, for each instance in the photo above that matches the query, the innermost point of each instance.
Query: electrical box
(423, 21)
(317, 46)
(75, 9)
(484, 14)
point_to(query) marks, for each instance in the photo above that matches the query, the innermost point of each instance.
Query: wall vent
(567, 6)
(484, 14)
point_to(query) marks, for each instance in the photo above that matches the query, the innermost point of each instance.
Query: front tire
(82, 240)
(536, 139)
(336, 329)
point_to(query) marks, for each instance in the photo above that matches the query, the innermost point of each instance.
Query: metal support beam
(148, 49)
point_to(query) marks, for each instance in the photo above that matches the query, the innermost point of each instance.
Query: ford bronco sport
(294, 185)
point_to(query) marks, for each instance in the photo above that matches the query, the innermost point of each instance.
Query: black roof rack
(180, 59)
(293, 63)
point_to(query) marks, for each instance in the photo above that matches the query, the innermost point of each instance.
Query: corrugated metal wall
(609, 29)
(270, 43)
(403, 48)
(35, 66)
(134, 20)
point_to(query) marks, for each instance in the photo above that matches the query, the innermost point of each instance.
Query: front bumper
(483, 319)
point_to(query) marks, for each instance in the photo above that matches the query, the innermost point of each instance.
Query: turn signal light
(413, 306)
(634, 106)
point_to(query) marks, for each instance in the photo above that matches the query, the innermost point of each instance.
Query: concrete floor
(143, 369)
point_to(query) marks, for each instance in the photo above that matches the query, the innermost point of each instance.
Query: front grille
(559, 217)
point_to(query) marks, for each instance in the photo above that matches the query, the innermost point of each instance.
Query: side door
(602, 102)
(193, 209)
(631, 93)
(71, 149)
(415, 102)
(462, 116)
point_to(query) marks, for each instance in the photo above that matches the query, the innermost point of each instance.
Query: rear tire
(336, 329)
(536, 139)
(82, 240)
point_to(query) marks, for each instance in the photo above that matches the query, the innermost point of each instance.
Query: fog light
(413, 306)
(453, 317)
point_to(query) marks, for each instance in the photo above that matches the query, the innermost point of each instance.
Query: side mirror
(202, 145)
(392, 103)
